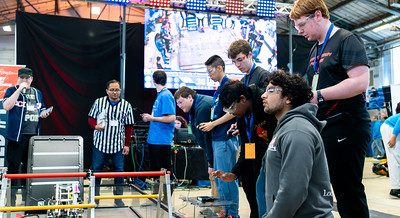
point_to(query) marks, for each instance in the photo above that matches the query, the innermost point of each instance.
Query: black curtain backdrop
(301, 50)
(72, 60)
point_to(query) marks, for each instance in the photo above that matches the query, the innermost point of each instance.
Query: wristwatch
(319, 97)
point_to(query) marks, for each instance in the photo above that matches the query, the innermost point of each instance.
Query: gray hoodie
(296, 170)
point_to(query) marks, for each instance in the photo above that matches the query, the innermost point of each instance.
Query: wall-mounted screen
(179, 42)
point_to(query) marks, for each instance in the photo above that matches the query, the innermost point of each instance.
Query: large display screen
(179, 42)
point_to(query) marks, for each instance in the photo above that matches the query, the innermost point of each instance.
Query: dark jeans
(249, 180)
(99, 159)
(160, 157)
(345, 146)
(17, 162)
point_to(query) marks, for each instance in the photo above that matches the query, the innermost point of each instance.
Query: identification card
(113, 122)
(212, 113)
(30, 107)
(250, 151)
(314, 82)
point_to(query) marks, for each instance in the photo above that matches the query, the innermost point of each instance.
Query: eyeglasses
(273, 89)
(231, 109)
(239, 59)
(114, 90)
(211, 71)
(304, 22)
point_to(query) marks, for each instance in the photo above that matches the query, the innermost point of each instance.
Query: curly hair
(294, 87)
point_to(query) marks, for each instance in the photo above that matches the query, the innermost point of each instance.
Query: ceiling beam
(371, 21)
(382, 7)
(102, 10)
(73, 8)
(56, 7)
(375, 26)
(340, 22)
(388, 40)
(32, 6)
(341, 4)
(369, 39)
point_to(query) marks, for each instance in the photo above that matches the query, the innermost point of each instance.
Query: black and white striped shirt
(112, 138)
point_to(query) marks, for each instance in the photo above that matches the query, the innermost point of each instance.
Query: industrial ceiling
(376, 21)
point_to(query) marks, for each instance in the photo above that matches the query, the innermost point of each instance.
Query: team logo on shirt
(272, 145)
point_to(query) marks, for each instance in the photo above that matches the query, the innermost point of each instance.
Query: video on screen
(179, 42)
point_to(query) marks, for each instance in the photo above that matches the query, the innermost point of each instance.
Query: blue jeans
(99, 159)
(225, 159)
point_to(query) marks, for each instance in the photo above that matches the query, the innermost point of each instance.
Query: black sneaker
(395, 192)
(119, 203)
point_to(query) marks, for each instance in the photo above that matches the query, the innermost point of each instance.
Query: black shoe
(395, 192)
(119, 203)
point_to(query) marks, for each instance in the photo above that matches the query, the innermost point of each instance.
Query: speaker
(190, 163)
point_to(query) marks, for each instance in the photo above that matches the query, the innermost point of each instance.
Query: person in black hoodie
(255, 128)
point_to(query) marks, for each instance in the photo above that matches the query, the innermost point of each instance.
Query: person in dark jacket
(255, 128)
(198, 107)
(25, 106)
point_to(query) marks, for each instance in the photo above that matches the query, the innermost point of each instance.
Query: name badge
(30, 107)
(315, 82)
(113, 122)
(250, 151)
(212, 113)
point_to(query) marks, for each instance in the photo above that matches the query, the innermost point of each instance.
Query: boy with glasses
(255, 128)
(240, 52)
(338, 73)
(224, 146)
(294, 178)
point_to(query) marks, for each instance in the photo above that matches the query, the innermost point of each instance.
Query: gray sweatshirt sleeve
(297, 149)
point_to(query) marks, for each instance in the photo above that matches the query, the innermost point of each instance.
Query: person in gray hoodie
(295, 169)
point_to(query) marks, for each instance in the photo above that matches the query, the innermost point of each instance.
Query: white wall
(7, 49)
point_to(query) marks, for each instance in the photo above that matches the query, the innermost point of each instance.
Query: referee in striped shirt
(112, 120)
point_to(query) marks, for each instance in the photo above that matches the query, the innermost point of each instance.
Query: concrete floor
(381, 204)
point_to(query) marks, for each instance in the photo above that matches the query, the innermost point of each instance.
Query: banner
(8, 77)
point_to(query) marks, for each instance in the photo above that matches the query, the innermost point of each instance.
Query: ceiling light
(7, 28)
(96, 10)
(383, 27)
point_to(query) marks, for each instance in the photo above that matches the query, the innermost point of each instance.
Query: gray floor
(381, 204)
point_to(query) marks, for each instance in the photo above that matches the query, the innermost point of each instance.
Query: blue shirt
(219, 132)
(376, 129)
(394, 122)
(162, 133)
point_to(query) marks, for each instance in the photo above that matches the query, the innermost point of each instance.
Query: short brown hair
(184, 92)
(307, 7)
(238, 46)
